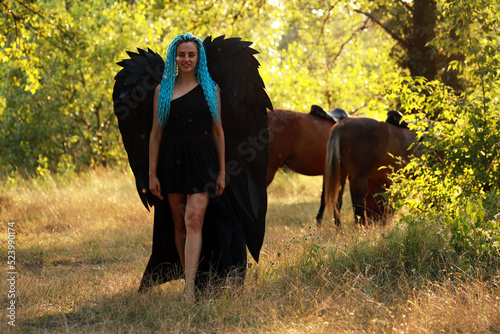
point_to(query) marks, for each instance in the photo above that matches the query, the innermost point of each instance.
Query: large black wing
(133, 96)
(244, 103)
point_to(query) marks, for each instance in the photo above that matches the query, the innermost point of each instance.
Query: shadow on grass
(127, 311)
(162, 309)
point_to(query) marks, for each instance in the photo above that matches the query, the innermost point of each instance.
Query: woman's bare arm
(218, 134)
(154, 148)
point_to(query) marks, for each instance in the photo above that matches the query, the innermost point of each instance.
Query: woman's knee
(194, 221)
(179, 227)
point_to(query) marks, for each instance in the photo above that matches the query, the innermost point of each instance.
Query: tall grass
(83, 243)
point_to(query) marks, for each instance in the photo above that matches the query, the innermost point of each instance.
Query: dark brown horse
(298, 140)
(366, 151)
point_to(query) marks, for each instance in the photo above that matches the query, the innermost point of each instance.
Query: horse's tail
(332, 169)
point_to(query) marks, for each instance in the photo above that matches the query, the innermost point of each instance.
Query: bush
(455, 179)
(475, 229)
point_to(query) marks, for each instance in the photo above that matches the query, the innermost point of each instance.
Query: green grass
(83, 243)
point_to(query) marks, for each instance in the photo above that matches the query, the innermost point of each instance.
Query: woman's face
(187, 56)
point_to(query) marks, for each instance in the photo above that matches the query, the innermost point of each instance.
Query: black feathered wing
(133, 96)
(244, 103)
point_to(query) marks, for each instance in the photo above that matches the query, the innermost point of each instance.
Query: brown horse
(298, 140)
(366, 151)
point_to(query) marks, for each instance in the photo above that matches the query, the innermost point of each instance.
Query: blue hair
(210, 88)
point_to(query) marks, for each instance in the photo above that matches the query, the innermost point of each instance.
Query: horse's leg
(321, 211)
(374, 202)
(343, 178)
(271, 172)
(336, 214)
(384, 207)
(376, 209)
(358, 187)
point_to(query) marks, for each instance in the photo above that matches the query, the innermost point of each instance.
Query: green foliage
(58, 59)
(328, 55)
(475, 230)
(412, 25)
(460, 152)
(66, 117)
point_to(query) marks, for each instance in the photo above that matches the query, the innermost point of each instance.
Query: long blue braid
(167, 83)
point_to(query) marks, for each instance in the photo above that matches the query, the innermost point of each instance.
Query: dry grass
(83, 243)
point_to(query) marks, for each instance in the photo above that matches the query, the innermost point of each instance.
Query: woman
(186, 148)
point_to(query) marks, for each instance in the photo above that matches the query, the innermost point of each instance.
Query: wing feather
(244, 104)
(133, 95)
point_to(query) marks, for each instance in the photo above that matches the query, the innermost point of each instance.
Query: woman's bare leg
(195, 214)
(178, 208)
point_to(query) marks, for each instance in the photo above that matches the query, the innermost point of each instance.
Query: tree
(30, 30)
(413, 25)
(456, 178)
(328, 56)
(60, 58)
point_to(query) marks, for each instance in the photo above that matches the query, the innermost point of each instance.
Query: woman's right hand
(154, 186)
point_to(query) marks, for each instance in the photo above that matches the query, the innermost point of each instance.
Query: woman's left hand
(221, 183)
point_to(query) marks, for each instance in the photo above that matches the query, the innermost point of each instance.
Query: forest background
(435, 61)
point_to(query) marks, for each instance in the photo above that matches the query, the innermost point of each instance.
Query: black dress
(187, 163)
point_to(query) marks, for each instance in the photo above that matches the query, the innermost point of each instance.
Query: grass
(83, 243)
